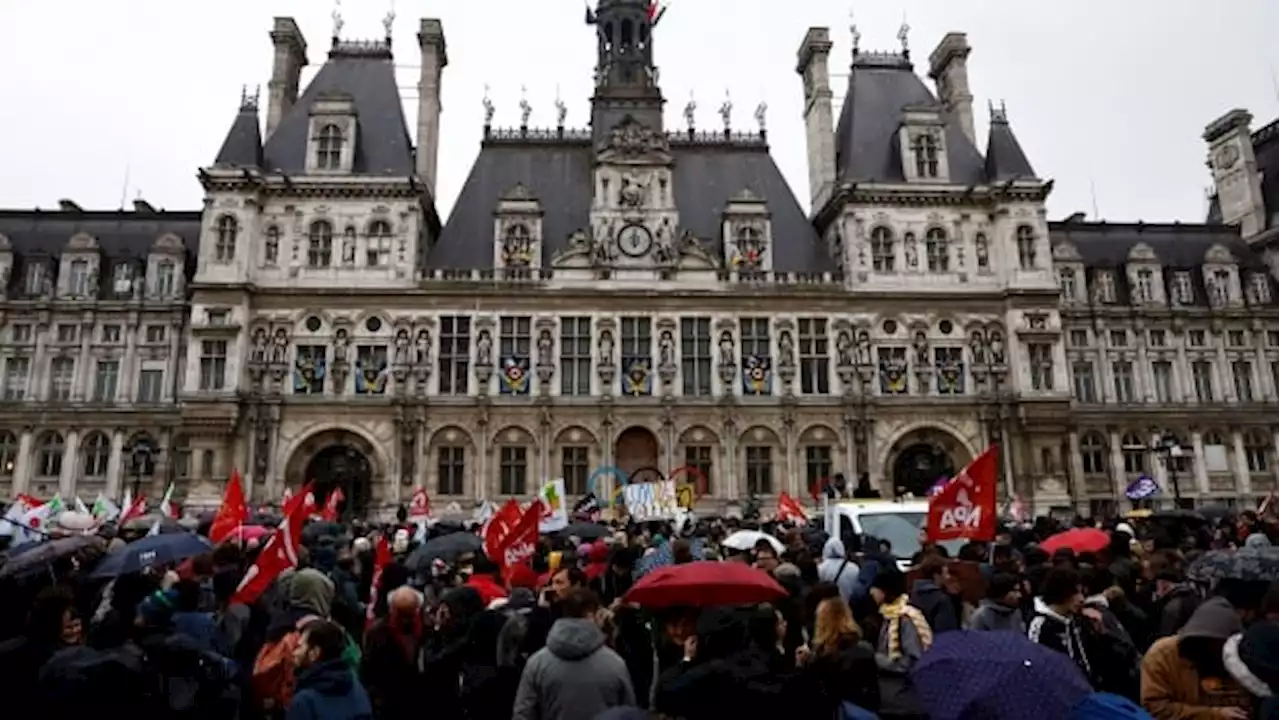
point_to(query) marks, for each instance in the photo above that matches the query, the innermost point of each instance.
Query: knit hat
(1250, 657)
(157, 608)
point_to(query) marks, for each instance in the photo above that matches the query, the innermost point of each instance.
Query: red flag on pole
(279, 554)
(966, 507)
(521, 540)
(305, 500)
(790, 510)
(420, 504)
(232, 513)
(381, 559)
(497, 528)
(330, 511)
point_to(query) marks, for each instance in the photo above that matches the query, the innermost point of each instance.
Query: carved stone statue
(280, 347)
(667, 349)
(546, 346)
(863, 348)
(786, 349)
(844, 348)
(909, 248)
(977, 348)
(402, 347)
(633, 190)
(921, 346)
(349, 247)
(726, 347)
(484, 349)
(578, 240)
(423, 346)
(995, 346)
(341, 340)
(605, 346)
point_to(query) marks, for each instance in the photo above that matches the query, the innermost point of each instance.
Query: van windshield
(902, 530)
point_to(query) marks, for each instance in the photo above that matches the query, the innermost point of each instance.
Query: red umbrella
(1078, 539)
(704, 584)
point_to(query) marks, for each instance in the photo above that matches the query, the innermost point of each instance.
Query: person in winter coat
(1174, 599)
(1001, 609)
(1058, 618)
(575, 677)
(929, 594)
(392, 648)
(1250, 658)
(840, 666)
(1184, 677)
(837, 567)
(903, 639)
(326, 688)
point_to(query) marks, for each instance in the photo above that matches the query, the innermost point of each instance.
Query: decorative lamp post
(1168, 447)
(142, 455)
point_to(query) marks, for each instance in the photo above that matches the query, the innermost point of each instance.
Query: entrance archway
(636, 448)
(921, 457)
(336, 459)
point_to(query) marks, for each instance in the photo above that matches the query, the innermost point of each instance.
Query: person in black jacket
(929, 594)
(840, 667)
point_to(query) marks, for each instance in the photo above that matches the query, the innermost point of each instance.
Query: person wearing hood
(1250, 658)
(1174, 599)
(1001, 609)
(1184, 676)
(575, 677)
(837, 567)
(326, 688)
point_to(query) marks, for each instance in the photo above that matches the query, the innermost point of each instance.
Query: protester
(1184, 676)
(326, 689)
(1001, 609)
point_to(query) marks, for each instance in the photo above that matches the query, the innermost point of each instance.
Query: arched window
(224, 250)
(937, 250)
(1093, 454)
(378, 254)
(320, 244)
(329, 148)
(882, 256)
(1026, 238)
(97, 451)
(271, 247)
(50, 449)
(925, 150)
(1135, 453)
(8, 453)
(1257, 451)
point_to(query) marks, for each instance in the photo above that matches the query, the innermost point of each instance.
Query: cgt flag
(966, 507)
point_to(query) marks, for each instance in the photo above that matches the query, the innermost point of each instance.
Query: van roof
(883, 507)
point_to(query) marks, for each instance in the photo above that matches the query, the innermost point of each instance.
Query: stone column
(1198, 466)
(1184, 389)
(275, 465)
(114, 463)
(176, 364)
(851, 452)
(423, 461)
(1076, 464)
(1267, 388)
(1225, 379)
(481, 479)
(1244, 483)
(22, 463)
(1119, 480)
(729, 443)
(70, 466)
(163, 462)
(37, 384)
(789, 443)
(82, 388)
(1144, 376)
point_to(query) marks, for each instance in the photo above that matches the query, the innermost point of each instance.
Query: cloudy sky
(1107, 97)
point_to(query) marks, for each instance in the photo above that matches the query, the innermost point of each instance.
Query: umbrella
(444, 547)
(1214, 512)
(1248, 563)
(34, 557)
(146, 522)
(318, 529)
(994, 676)
(150, 551)
(704, 584)
(585, 530)
(747, 539)
(1139, 514)
(1078, 539)
(662, 557)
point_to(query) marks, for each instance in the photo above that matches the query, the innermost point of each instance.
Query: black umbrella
(32, 558)
(445, 547)
(318, 529)
(1214, 512)
(585, 530)
(151, 551)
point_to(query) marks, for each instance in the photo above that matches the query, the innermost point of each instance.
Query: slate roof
(243, 144)
(124, 236)
(559, 176)
(1005, 159)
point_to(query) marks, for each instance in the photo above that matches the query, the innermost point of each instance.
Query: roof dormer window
(1145, 287)
(1260, 289)
(925, 150)
(1182, 287)
(329, 148)
(1220, 287)
(1105, 287)
(332, 133)
(224, 250)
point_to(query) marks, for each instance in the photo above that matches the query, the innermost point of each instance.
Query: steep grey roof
(243, 145)
(559, 175)
(1266, 147)
(383, 146)
(124, 237)
(1005, 159)
(880, 86)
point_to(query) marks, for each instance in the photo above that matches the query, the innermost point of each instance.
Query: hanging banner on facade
(651, 501)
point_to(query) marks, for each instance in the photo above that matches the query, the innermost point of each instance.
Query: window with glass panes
(575, 356)
(455, 354)
(213, 364)
(451, 468)
(61, 376)
(1202, 379)
(1122, 379)
(817, 464)
(1242, 376)
(16, 370)
(1093, 454)
(1082, 378)
(759, 469)
(700, 456)
(1162, 379)
(574, 469)
(150, 385)
(1041, 356)
(637, 340)
(514, 337)
(755, 337)
(815, 376)
(513, 470)
(695, 356)
(1134, 452)
(104, 380)
(312, 356)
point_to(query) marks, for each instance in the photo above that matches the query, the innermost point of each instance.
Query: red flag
(520, 542)
(330, 511)
(286, 497)
(232, 513)
(381, 559)
(137, 508)
(279, 554)
(966, 507)
(305, 500)
(420, 503)
(497, 528)
(789, 509)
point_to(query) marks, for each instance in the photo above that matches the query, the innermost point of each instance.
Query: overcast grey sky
(1113, 93)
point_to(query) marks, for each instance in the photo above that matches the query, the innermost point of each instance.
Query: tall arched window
(1093, 454)
(8, 453)
(97, 451)
(378, 254)
(1257, 451)
(49, 459)
(882, 255)
(320, 244)
(1026, 238)
(1135, 453)
(224, 250)
(329, 148)
(271, 246)
(937, 250)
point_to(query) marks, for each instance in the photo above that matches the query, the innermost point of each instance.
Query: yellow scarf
(895, 611)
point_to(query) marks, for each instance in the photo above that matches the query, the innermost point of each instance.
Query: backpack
(272, 681)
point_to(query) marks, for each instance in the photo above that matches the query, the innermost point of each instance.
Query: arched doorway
(636, 449)
(920, 458)
(337, 459)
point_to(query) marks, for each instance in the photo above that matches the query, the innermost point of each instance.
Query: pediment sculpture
(631, 139)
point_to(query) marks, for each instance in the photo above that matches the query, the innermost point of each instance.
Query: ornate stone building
(636, 296)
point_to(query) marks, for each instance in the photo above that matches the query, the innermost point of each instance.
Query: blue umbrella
(150, 551)
(998, 675)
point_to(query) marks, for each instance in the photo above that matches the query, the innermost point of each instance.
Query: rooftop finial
(337, 19)
(247, 101)
(562, 110)
(903, 32)
(488, 107)
(726, 111)
(998, 114)
(525, 108)
(854, 35)
(389, 21)
(761, 109)
(689, 109)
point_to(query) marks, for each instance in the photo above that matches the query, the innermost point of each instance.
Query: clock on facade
(634, 240)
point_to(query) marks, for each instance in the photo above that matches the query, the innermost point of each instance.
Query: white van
(897, 521)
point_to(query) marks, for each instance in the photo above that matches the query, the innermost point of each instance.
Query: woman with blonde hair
(840, 667)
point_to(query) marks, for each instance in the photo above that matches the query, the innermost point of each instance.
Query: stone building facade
(636, 300)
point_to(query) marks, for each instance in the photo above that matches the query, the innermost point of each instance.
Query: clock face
(634, 240)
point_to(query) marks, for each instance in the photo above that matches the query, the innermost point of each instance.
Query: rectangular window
(150, 385)
(513, 469)
(575, 356)
(455, 354)
(1202, 378)
(514, 339)
(699, 456)
(1273, 338)
(217, 317)
(815, 376)
(1146, 286)
(155, 333)
(16, 370)
(309, 370)
(1105, 286)
(1242, 375)
(1082, 378)
(21, 333)
(213, 364)
(695, 356)
(1067, 284)
(817, 464)
(1135, 459)
(759, 470)
(78, 283)
(371, 369)
(893, 370)
(1182, 288)
(104, 381)
(1079, 338)
(1162, 378)
(1119, 338)
(35, 279)
(574, 469)
(637, 341)
(1196, 338)
(1236, 338)
(165, 279)
(61, 376)
(755, 337)
(1041, 356)
(1157, 338)
(122, 279)
(451, 468)
(110, 333)
(1260, 289)
(67, 333)
(948, 364)
(1122, 375)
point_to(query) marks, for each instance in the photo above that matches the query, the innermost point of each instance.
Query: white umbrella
(747, 539)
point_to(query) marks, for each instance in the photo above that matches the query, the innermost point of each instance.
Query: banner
(555, 516)
(651, 501)
(966, 507)
(520, 542)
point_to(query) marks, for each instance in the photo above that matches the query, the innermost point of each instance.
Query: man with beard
(390, 664)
